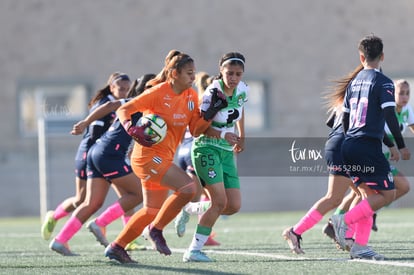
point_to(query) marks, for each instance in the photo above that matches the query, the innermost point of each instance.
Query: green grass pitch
(251, 243)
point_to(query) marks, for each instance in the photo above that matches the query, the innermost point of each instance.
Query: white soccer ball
(157, 129)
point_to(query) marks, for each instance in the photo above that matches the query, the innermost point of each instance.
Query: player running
(173, 99)
(368, 104)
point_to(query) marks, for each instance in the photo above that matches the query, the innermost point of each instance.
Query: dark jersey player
(369, 103)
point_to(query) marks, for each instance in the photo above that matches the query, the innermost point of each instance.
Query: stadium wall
(295, 47)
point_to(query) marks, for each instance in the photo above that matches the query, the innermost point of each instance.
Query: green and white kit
(213, 158)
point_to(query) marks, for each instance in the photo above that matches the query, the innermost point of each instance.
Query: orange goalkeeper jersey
(177, 110)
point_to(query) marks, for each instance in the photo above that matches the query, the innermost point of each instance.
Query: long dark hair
(336, 93)
(139, 85)
(105, 91)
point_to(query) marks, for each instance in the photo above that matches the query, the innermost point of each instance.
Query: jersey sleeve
(387, 98)
(198, 125)
(410, 119)
(141, 103)
(345, 106)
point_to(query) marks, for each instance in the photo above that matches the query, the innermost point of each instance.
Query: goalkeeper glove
(218, 102)
(138, 133)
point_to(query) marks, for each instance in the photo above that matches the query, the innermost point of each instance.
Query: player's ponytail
(336, 98)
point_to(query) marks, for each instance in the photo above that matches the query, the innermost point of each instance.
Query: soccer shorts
(101, 164)
(214, 165)
(366, 163)
(333, 155)
(151, 169)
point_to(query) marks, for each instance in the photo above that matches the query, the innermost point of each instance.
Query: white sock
(197, 208)
(198, 242)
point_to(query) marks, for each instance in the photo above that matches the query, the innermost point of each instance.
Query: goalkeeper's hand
(218, 102)
(138, 133)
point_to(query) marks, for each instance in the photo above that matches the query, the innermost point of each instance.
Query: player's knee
(404, 189)
(77, 202)
(232, 208)
(94, 206)
(188, 190)
(220, 205)
(333, 201)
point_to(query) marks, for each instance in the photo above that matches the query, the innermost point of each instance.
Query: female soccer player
(214, 157)
(117, 87)
(405, 117)
(173, 99)
(338, 182)
(106, 164)
(368, 104)
(201, 201)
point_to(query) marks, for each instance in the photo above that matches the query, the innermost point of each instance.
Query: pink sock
(112, 213)
(125, 219)
(363, 230)
(360, 211)
(70, 228)
(308, 221)
(60, 212)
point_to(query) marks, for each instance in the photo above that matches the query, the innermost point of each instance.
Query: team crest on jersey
(390, 176)
(190, 105)
(240, 100)
(211, 173)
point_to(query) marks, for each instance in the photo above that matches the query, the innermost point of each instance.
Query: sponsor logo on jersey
(179, 116)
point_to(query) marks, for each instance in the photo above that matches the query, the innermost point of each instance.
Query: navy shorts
(366, 163)
(80, 164)
(104, 162)
(333, 155)
(184, 156)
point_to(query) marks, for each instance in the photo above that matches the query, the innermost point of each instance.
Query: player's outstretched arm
(96, 114)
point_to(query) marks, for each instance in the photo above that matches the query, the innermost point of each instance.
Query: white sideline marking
(300, 258)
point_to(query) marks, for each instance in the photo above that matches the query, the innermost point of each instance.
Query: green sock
(339, 211)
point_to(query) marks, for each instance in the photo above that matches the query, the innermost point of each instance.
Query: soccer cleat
(61, 248)
(48, 225)
(374, 223)
(135, 246)
(180, 222)
(328, 230)
(365, 252)
(211, 242)
(340, 228)
(158, 241)
(98, 232)
(293, 240)
(116, 252)
(349, 242)
(196, 256)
